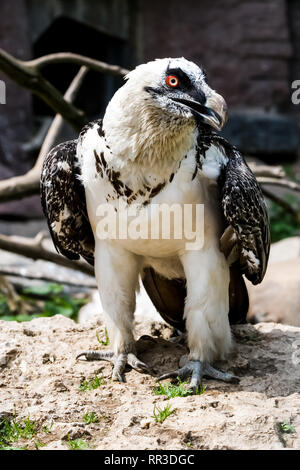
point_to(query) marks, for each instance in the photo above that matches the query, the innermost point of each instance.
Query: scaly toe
(197, 370)
(119, 367)
(136, 364)
(213, 373)
(121, 362)
(97, 356)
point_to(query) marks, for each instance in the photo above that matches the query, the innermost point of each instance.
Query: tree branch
(58, 279)
(266, 170)
(33, 248)
(69, 57)
(18, 187)
(279, 182)
(281, 202)
(29, 77)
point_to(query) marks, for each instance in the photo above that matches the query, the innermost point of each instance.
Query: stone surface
(260, 133)
(225, 416)
(277, 298)
(284, 250)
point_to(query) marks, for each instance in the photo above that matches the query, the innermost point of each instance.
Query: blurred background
(250, 51)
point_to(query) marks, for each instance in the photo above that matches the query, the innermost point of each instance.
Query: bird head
(179, 88)
(159, 108)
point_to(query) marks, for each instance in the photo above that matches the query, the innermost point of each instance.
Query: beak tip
(217, 103)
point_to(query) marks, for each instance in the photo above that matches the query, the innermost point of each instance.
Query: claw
(197, 374)
(97, 356)
(119, 367)
(135, 363)
(169, 375)
(197, 370)
(120, 362)
(218, 375)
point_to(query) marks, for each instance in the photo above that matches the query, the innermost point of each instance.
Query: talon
(135, 363)
(213, 373)
(197, 370)
(117, 376)
(81, 354)
(169, 375)
(97, 355)
(120, 362)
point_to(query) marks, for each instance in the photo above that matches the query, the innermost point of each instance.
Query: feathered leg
(117, 273)
(206, 314)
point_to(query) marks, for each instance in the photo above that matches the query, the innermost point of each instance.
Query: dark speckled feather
(244, 208)
(64, 205)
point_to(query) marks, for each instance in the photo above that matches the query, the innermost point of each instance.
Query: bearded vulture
(157, 146)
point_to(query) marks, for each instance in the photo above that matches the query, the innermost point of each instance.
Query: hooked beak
(213, 113)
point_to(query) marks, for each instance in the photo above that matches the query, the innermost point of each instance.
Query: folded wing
(64, 204)
(246, 214)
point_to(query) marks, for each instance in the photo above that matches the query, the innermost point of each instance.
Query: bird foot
(120, 362)
(197, 370)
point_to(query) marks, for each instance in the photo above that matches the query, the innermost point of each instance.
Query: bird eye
(172, 81)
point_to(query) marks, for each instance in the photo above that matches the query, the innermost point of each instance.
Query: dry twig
(23, 272)
(33, 248)
(18, 187)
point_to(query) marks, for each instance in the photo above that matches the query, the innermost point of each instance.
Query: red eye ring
(172, 81)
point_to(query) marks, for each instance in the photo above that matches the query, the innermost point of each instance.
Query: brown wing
(245, 211)
(168, 297)
(64, 205)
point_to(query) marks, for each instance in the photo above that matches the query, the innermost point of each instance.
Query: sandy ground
(40, 378)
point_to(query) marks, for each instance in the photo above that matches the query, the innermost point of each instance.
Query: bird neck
(151, 137)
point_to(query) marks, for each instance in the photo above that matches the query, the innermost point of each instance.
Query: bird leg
(206, 314)
(120, 362)
(197, 370)
(117, 292)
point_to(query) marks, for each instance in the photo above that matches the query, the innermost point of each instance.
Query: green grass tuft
(12, 431)
(286, 427)
(77, 444)
(172, 390)
(176, 390)
(91, 384)
(38, 445)
(90, 418)
(103, 342)
(160, 414)
(47, 429)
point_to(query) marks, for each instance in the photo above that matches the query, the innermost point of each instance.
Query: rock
(8, 352)
(286, 249)
(60, 386)
(260, 133)
(145, 423)
(277, 298)
(226, 416)
(144, 308)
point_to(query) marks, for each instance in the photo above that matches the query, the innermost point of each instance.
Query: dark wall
(244, 45)
(15, 115)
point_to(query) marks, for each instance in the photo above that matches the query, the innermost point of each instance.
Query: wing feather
(245, 211)
(64, 205)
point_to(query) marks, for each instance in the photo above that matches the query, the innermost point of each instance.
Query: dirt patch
(40, 378)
